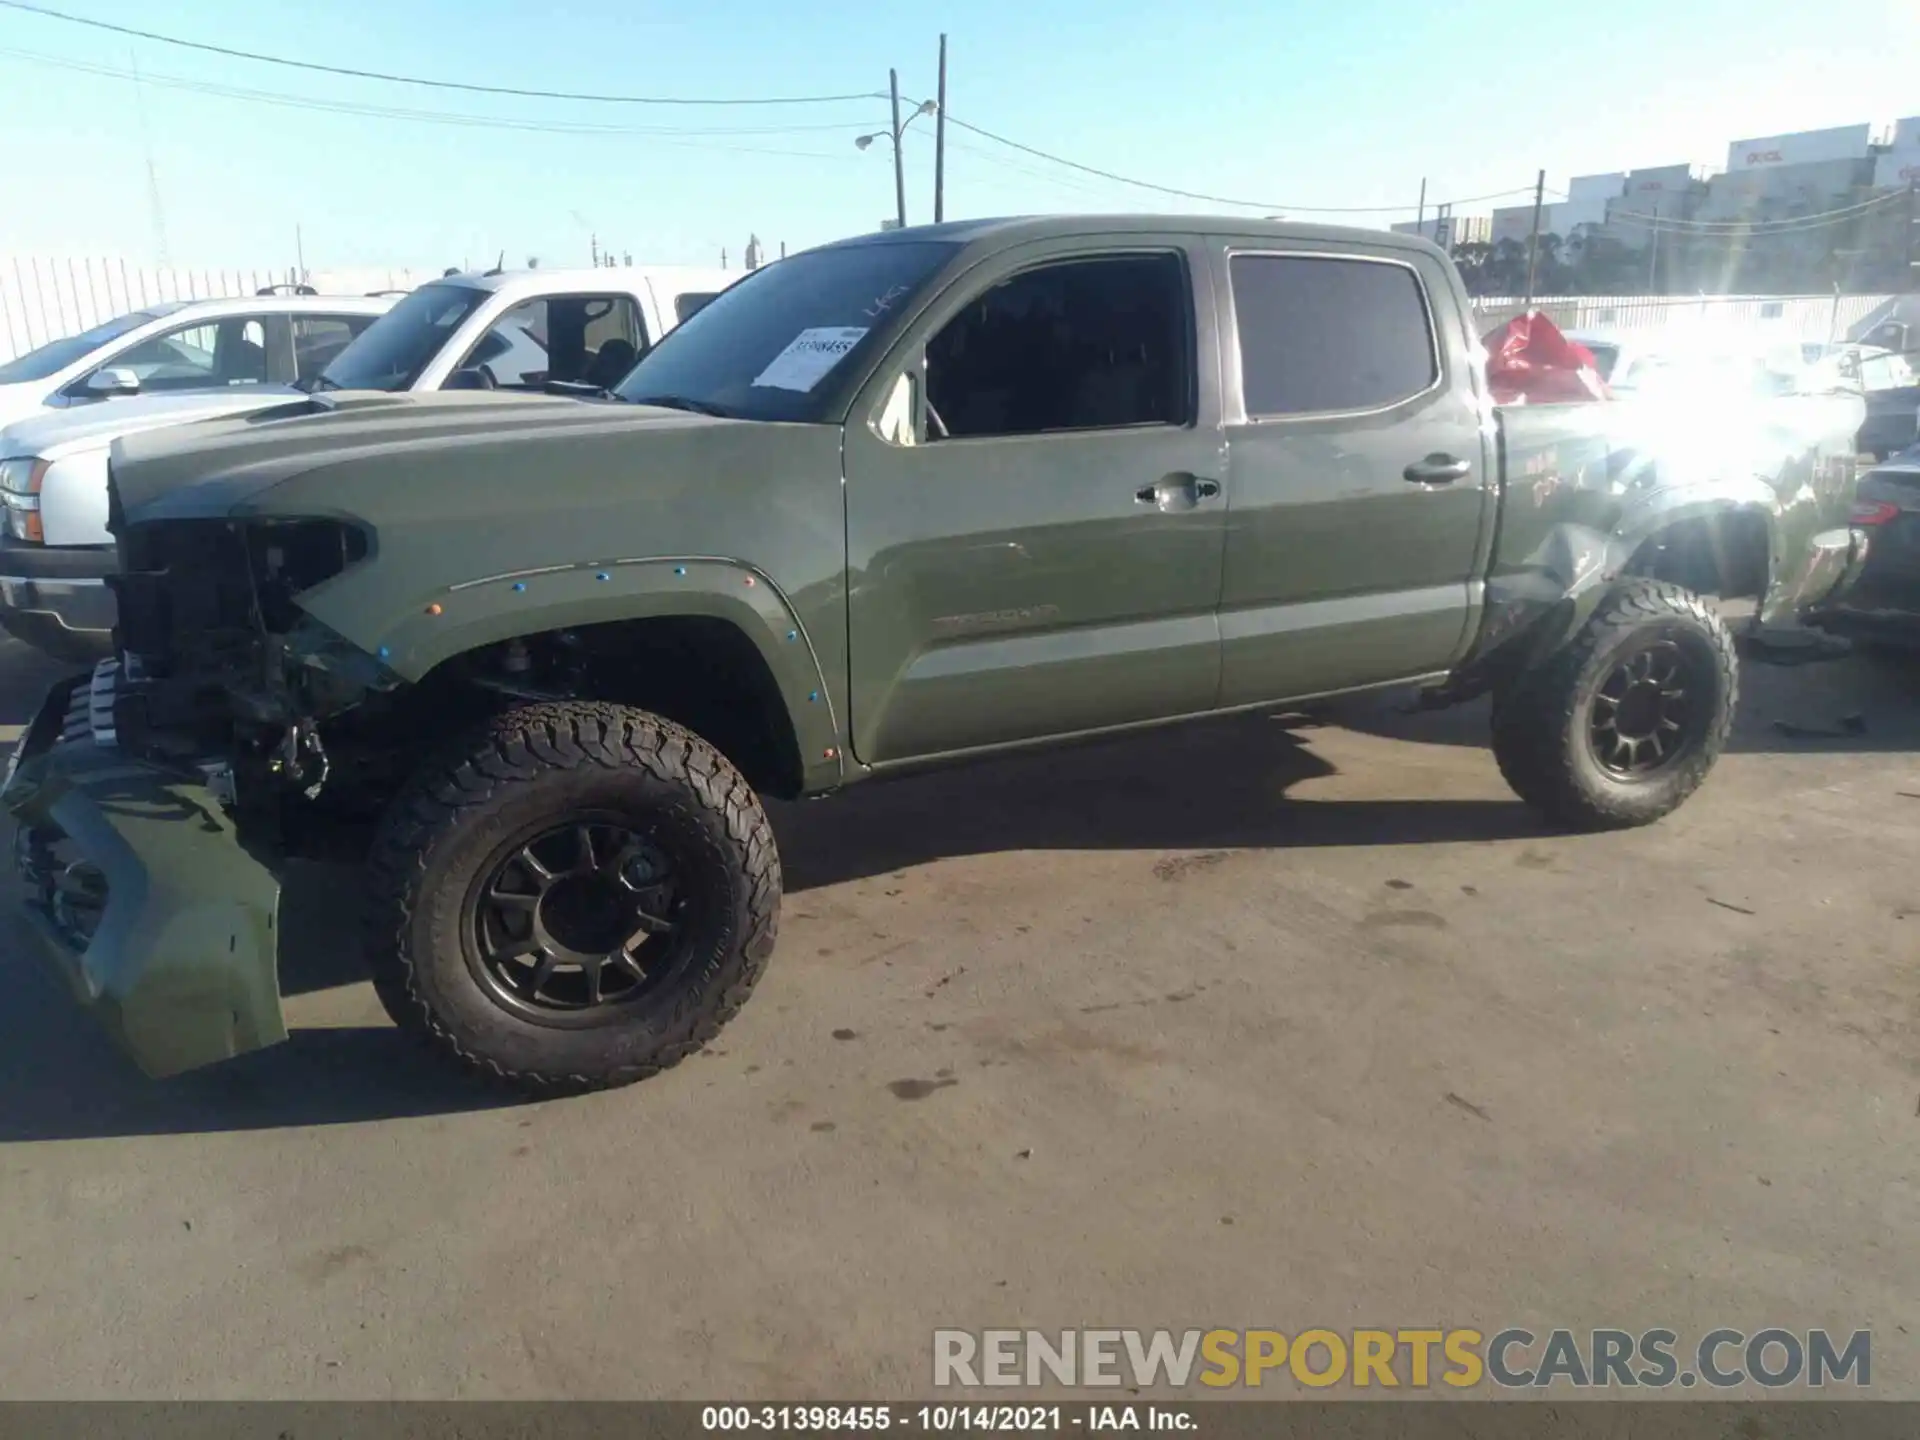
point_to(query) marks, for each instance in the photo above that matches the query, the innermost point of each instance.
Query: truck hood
(108, 420)
(217, 467)
(488, 515)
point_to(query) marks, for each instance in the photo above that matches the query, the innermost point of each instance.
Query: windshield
(390, 353)
(766, 348)
(56, 355)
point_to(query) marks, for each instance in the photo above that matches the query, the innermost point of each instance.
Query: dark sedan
(1883, 605)
(1892, 391)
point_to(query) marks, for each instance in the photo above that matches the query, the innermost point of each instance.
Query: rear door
(1034, 504)
(1361, 498)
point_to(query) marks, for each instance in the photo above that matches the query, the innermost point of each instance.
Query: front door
(1034, 515)
(1361, 496)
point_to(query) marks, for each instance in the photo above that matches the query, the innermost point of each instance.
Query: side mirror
(473, 378)
(112, 380)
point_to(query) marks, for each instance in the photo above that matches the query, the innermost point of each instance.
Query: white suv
(576, 330)
(265, 339)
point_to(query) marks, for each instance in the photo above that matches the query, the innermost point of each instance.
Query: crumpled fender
(1587, 486)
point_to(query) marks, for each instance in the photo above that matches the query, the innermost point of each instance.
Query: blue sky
(1293, 105)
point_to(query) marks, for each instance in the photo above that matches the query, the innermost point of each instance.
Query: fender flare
(472, 613)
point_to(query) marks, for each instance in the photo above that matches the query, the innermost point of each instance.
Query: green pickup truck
(906, 500)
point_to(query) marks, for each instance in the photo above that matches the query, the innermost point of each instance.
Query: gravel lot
(1259, 1023)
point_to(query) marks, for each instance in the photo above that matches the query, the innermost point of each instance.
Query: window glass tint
(685, 307)
(1087, 345)
(56, 355)
(391, 352)
(591, 339)
(199, 357)
(317, 339)
(1327, 334)
(779, 343)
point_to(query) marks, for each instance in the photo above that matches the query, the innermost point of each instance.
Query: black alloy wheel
(1646, 713)
(584, 917)
(574, 896)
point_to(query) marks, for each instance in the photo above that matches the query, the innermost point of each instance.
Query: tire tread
(1535, 719)
(517, 748)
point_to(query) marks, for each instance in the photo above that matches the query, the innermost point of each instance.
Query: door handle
(1437, 469)
(1179, 491)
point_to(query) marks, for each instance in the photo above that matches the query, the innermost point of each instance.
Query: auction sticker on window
(812, 353)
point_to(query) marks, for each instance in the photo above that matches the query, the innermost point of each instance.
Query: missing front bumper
(181, 963)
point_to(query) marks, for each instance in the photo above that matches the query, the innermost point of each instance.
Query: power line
(670, 135)
(475, 89)
(1203, 196)
(1785, 224)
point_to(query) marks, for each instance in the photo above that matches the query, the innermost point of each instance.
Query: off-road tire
(1541, 720)
(556, 760)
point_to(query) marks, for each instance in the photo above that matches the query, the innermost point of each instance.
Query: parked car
(902, 501)
(252, 340)
(1883, 606)
(516, 331)
(1892, 391)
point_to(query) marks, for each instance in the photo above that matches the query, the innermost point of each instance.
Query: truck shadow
(1862, 704)
(1213, 785)
(62, 1079)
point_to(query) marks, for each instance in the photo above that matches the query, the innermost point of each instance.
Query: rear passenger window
(1329, 334)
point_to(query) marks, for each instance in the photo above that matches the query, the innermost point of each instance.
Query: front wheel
(1622, 724)
(578, 897)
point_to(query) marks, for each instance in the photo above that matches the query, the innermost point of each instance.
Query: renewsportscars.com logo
(1513, 1358)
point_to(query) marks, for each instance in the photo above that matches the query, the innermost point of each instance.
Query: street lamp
(898, 129)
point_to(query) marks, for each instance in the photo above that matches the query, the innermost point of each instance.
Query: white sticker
(812, 353)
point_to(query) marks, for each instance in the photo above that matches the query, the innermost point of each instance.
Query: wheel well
(702, 672)
(1727, 554)
(709, 676)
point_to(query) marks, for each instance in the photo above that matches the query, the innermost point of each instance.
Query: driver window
(200, 357)
(590, 339)
(1095, 344)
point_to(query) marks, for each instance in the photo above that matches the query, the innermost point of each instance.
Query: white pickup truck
(508, 330)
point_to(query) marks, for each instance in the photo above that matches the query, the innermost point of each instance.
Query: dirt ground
(1263, 1023)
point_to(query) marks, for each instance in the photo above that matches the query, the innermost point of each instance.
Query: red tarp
(1529, 362)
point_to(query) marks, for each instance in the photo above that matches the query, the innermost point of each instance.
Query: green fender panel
(447, 622)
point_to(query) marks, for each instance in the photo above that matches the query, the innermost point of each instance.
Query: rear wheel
(1620, 726)
(581, 896)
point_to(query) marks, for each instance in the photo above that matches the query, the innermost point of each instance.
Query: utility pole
(1420, 215)
(939, 141)
(899, 166)
(1653, 250)
(153, 174)
(300, 253)
(1533, 239)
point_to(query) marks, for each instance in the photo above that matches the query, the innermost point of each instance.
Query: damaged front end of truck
(152, 796)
